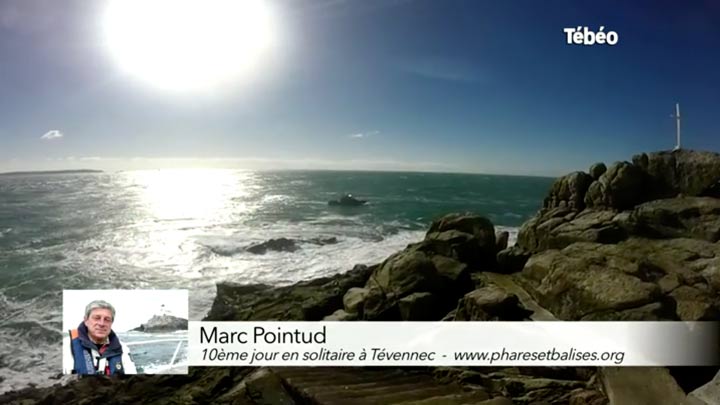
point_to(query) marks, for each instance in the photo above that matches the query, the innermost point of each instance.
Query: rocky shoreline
(633, 241)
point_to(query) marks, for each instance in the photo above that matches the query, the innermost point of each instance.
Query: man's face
(99, 324)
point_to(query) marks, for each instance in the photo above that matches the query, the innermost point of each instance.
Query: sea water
(189, 229)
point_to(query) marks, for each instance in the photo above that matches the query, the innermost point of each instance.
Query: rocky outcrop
(616, 243)
(413, 271)
(308, 300)
(277, 245)
(620, 187)
(163, 323)
(655, 196)
(287, 244)
(686, 172)
(638, 279)
(685, 217)
(560, 227)
(501, 240)
(511, 260)
(468, 238)
(490, 303)
(597, 170)
(569, 191)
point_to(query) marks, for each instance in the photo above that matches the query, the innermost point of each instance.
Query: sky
(417, 85)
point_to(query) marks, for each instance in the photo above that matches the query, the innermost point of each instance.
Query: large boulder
(469, 238)
(694, 304)
(511, 260)
(620, 187)
(597, 170)
(353, 300)
(411, 271)
(490, 303)
(686, 217)
(501, 240)
(569, 191)
(626, 281)
(420, 306)
(686, 172)
(559, 227)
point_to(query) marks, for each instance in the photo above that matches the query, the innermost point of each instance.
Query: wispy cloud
(52, 135)
(443, 69)
(337, 8)
(361, 135)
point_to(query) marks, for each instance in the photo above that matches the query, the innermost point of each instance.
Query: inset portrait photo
(116, 332)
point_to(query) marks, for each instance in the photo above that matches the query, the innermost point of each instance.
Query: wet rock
(277, 245)
(511, 260)
(501, 240)
(323, 241)
(307, 300)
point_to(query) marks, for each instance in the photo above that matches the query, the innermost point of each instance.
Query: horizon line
(100, 171)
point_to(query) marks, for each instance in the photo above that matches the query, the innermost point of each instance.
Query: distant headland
(30, 173)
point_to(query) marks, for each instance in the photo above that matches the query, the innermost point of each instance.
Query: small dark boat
(347, 201)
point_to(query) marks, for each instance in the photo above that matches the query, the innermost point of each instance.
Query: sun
(188, 44)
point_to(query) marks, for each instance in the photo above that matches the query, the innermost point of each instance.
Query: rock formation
(163, 323)
(632, 241)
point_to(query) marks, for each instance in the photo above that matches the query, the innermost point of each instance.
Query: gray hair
(99, 304)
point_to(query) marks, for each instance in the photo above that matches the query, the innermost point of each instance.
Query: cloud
(361, 135)
(52, 135)
(443, 69)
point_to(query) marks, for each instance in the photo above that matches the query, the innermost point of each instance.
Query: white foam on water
(512, 233)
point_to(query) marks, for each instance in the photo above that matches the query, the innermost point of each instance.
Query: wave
(512, 233)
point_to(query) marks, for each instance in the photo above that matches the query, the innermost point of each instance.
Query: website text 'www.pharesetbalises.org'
(551, 355)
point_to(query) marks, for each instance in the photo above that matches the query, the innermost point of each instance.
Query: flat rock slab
(641, 386)
(506, 282)
(347, 386)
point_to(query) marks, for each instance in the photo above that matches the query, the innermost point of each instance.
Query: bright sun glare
(188, 44)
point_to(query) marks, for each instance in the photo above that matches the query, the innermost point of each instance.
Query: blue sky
(444, 85)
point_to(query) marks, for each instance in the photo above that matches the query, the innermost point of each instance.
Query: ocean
(188, 229)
